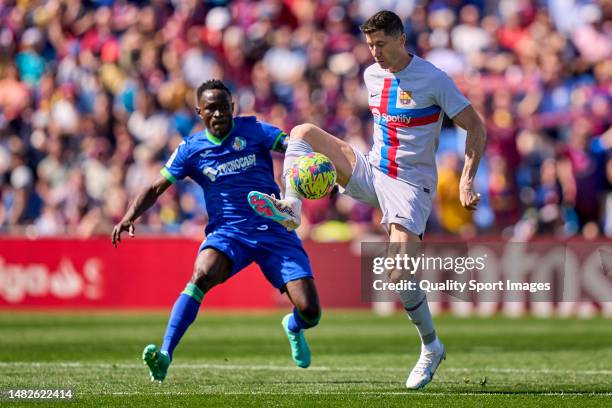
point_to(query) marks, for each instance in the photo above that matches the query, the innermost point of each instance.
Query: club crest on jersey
(239, 143)
(404, 98)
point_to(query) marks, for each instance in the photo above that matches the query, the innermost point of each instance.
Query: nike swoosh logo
(374, 95)
(262, 228)
(206, 153)
(399, 216)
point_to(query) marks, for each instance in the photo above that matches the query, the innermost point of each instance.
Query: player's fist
(119, 228)
(468, 196)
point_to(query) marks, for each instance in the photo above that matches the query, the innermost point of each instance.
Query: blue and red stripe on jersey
(409, 118)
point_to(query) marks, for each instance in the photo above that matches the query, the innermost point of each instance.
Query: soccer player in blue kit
(230, 158)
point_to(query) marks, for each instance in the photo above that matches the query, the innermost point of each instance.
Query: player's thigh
(361, 184)
(338, 151)
(211, 268)
(303, 294)
(282, 259)
(405, 205)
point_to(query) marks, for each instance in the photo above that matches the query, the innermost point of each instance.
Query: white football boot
(282, 211)
(426, 367)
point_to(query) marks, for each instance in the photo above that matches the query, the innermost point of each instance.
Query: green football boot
(299, 347)
(157, 361)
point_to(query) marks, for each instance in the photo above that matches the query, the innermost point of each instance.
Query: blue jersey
(227, 170)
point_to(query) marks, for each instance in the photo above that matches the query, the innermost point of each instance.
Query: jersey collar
(218, 140)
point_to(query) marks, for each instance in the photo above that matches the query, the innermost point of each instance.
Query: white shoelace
(283, 206)
(425, 361)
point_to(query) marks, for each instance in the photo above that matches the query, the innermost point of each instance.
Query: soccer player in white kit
(407, 96)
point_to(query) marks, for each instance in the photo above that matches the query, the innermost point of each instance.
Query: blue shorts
(280, 255)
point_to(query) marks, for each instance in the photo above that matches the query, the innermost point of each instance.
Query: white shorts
(401, 203)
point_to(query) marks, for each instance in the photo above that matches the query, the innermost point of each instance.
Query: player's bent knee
(305, 131)
(300, 131)
(211, 268)
(310, 313)
(205, 279)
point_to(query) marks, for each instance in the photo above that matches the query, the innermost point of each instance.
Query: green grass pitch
(358, 360)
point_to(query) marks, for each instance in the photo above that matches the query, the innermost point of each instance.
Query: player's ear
(403, 39)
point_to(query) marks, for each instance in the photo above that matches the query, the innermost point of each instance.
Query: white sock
(295, 149)
(415, 304)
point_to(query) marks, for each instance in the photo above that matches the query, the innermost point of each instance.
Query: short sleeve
(272, 136)
(176, 167)
(448, 96)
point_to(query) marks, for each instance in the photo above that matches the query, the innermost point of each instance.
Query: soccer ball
(313, 176)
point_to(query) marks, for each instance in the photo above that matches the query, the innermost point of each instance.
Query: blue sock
(183, 314)
(297, 322)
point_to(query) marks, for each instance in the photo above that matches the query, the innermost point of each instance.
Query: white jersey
(407, 108)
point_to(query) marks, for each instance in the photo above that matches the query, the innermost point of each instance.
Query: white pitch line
(406, 393)
(529, 370)
(266, 367)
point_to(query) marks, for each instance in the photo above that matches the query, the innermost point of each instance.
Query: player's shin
(415, 304)
(432, 350)
(183, 314)
(295, 148)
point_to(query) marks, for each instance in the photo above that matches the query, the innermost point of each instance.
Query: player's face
(387, 50)
(215, 107)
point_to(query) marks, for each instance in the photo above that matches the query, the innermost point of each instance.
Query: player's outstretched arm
(475, 143)
(142, 203)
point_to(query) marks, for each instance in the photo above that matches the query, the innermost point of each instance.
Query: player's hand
(468, 196)
(119, 228)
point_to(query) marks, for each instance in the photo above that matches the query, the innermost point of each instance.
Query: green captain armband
(164, 172)
(280, 143)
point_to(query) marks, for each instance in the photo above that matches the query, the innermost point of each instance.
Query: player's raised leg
(306, 314)
(415, 304)
(303, 139)
(211, 268)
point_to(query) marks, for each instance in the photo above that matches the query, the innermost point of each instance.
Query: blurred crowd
(95, 95)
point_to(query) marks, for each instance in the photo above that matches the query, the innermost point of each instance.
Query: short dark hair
(386, 21)
(212, 84)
